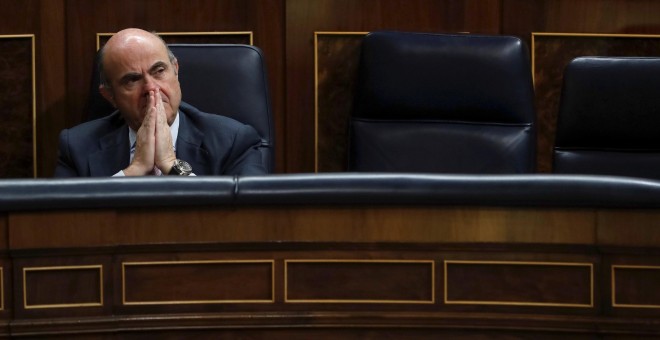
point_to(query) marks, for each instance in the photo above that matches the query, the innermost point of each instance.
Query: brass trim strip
(34, 96)
(248, 33)
(522, 263)
(613, 275)
(579, 35)
(13, 36)
(2, 288)
(34, 108)
(286, 282)
(63, 305)
(182, 302)
(316, 89)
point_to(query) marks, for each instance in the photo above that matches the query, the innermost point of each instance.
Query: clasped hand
(153, 146)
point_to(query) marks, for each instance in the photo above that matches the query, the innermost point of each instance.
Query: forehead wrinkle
(128, 57)
(153, 67)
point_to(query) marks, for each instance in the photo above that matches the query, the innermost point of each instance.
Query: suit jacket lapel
(189, 146)
(113, 154)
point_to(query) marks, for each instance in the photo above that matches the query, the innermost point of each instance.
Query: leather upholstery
(217, 78)
(609, 117)
(443, 103)
(117, 192)
(533, 190)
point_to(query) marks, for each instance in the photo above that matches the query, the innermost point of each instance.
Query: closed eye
(158, 69)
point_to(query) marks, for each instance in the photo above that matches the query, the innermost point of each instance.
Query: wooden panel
(3, 231)
(635, 286)
(62, 229)
(199, 268)
(521, 17)
(52, 91)
(519, 283)
(306, 17)
(359, 281)
(6, 291)
(60, 284)
(197, 282)
(336, 58)
(62, 287)
(19, 17)
(3, 278)
(623, 228)
(366, 224)
(18, 100)
(386, 332)
(44, 19)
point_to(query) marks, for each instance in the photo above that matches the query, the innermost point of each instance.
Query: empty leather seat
(609, 117)
(443, 103)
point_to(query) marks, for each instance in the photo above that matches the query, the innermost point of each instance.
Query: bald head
(124, 37)
(134, 63)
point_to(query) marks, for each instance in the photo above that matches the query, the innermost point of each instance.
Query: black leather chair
(443, 103)
(609, 117)
(224, 79)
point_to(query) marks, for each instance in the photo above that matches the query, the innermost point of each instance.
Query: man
(152, 131)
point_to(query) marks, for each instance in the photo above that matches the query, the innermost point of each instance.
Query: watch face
(184, 166)
(181, 168)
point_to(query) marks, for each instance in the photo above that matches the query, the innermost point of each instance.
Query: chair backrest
(443, 103)
(225, 79)
(609, 117)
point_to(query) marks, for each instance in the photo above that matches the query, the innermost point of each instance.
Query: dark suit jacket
(212, 144)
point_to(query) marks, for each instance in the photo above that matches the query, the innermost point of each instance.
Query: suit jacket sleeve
(65, 167)
(245, 157)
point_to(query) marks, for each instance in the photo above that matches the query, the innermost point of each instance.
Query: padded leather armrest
(469, 190)
(136, 192)
(332, 189)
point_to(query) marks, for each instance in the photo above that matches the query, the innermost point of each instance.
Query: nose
(150, 84)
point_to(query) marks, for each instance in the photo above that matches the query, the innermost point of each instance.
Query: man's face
(133, 67)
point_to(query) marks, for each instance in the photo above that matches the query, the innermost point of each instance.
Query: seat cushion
(440, 147)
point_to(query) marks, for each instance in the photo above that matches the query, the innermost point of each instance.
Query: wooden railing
(313, 262)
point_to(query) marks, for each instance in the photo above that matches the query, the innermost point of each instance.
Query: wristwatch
(180, 168)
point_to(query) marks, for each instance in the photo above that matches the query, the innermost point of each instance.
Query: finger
(151, 100)
(160, 108)
(151, 115)
(143, 160)
(164, 149)
(159, 100)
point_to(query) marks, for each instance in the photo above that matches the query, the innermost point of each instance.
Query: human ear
(107, 94)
